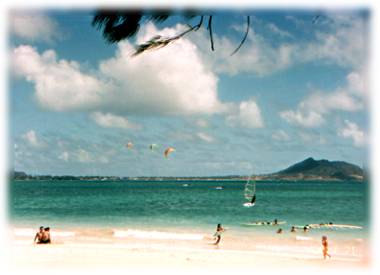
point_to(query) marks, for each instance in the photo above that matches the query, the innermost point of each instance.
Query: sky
(294, 90)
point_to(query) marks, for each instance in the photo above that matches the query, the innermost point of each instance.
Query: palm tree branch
(209, 27)
(244, 38)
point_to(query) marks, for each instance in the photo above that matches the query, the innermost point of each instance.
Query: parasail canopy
(129, 145)
(168, 151)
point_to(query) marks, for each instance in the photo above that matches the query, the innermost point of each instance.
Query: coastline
(89, 248)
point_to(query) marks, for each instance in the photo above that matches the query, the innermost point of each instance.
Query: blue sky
(294, 90)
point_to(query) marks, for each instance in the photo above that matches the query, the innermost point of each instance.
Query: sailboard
(250, 192)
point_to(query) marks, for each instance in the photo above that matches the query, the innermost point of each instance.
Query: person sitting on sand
(325, 247)
(293, 229)
(218, 233)
(279, 231)
(39, 234)
(45, 236)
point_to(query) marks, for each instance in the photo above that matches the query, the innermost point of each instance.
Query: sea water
(186, 206)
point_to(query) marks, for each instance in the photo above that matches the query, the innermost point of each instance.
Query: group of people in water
(43, 236)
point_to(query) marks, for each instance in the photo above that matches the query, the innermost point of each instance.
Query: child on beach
(325, 248)
(218, 233)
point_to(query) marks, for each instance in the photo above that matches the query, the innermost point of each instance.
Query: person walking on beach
(325, 247)
(218, 233)
(39, 234)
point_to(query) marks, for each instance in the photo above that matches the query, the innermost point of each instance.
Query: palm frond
(244, 38)
(117, 25)
(158, 42)
(209, 27)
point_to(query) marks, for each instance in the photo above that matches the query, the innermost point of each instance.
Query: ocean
(186, 206)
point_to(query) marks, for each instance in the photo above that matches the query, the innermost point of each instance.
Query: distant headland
(306, 170)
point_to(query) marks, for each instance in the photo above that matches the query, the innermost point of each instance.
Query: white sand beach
(89, 248)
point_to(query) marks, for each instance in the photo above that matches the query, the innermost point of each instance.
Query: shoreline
(84, 248)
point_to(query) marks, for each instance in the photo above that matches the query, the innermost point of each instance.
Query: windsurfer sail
(250, 192)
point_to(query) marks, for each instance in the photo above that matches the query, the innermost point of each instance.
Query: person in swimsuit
(279, 231)
(39, 234)
(293, 229)
(218, 233)
(325, 247)
(45, 236)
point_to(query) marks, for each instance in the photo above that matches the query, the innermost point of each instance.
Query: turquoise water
(199, 206)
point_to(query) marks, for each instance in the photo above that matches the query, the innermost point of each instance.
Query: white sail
(250, 189)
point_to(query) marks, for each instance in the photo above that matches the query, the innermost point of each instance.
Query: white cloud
(280, 135)
(247, 114)
(342, 42)
(310, 112)
(205, 137)
(64, 156)
(83, 156)
(149, 84)
(297, 21)
(201, 123)
(276, 30)
(34, 27)
(301, 118)
(352, 130)
(256, 56)
(59, 84)
(109, 120)
(312, 138)
(32, 139)
(345, 42)
(358, 82)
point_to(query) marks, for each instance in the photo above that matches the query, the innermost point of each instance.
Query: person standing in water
(325, 247)
(218, 233)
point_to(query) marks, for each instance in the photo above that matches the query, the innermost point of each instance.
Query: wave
(157, 235)
(31, 232)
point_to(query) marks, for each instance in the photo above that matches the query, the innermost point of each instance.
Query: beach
(134, 248)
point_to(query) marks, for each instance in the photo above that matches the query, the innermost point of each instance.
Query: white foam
(156, 235)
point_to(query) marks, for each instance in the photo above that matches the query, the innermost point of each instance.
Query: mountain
(311, 169)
